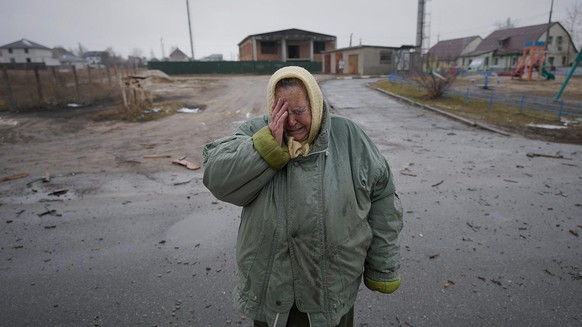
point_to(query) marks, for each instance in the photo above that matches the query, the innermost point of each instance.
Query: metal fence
(496, 97)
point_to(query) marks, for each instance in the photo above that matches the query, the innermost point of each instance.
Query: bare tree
(81, 50)
(508, 23)
(573, 23)
(136, 52)
(434, 83)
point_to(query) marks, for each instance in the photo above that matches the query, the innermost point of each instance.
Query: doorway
(293, 52)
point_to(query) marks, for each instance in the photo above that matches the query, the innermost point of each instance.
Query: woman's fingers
(277, 124)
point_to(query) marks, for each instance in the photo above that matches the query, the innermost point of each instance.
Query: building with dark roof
(178, 55)
(502, 49)
(68, 59)
(286, 45)
(27, 52)
(449, 53)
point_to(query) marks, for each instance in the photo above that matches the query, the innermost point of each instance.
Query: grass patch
(505, 117)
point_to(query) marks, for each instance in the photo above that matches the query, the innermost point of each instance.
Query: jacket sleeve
(385, 219)
(235, 171)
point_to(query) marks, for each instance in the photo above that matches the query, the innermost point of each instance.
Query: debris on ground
(45, 179)
(156, 156)
(406, 171)
(555, 156)
(59, 192)
(188, 164)
(12, 177)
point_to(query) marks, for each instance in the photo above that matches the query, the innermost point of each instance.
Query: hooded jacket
(310, 225)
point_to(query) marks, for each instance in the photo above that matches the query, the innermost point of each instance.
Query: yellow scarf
(297, 149)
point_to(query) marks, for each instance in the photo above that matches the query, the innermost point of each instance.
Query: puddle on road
(204, 225)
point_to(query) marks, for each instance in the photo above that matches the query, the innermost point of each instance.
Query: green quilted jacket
(310, 226)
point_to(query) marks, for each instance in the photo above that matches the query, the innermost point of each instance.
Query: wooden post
(108, 75)
(90, 81)
(9, 94)
(38, 85)
(76, 82)
(56, 83)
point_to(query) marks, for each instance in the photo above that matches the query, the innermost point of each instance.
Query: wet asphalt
(491, 236)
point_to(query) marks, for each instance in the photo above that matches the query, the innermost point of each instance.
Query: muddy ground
(95, 139)
(101, 138)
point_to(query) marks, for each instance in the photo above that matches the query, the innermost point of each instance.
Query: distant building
(27, 52)
(68, 59)
(213, 57)
(286, 45)
(502, 49)
(449, 53)
(178, 55)
(136, 61)
(95, 58)
(366, 60)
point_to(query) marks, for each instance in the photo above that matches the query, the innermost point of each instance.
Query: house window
(268, 47)
(563, 61)
(9, 50)
(514, 60)
(386, 57)
(559, 41)
(25, 50)
(550, 39)
(551, 61)
(495, 61)
(318, 46)
(28, 60)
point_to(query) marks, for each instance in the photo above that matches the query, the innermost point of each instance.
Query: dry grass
(59, 88)
(504, 117)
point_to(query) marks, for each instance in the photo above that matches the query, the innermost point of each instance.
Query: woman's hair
(289, 82)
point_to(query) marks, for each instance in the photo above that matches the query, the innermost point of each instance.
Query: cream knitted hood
(315, 101)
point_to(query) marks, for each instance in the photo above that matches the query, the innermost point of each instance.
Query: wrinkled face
(298, 122)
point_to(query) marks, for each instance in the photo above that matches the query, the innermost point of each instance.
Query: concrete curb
(442, 112)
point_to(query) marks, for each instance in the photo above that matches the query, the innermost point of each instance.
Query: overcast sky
(148, 27)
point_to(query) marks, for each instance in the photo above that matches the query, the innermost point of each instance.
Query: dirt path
(70, 140)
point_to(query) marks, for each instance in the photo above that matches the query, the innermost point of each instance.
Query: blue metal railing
(496, 97)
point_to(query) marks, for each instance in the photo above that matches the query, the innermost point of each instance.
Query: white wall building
(26, 51)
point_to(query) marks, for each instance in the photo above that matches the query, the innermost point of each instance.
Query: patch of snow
(8, 122)
(188, 110)
(74, 105)
(547, 126)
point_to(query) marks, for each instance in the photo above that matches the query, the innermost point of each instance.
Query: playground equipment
(532, 59)
(570, 73)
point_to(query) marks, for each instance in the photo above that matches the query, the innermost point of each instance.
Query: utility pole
(190, 29)
(419, 34)
(163, 51)
(548, 29)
